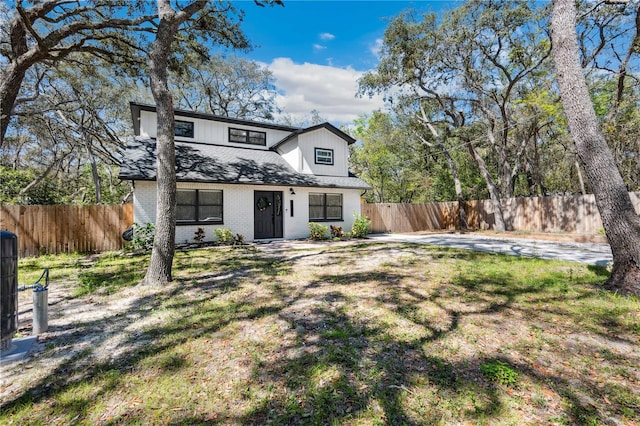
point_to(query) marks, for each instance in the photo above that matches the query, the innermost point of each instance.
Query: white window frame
(324, 156)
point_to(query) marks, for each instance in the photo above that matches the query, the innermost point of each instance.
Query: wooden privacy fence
(66, 229)
(574, 214)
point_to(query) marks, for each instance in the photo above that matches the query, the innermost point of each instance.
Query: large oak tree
(206, 19)
(55, 30)
(621, 223)
(474, 64)
(196, 26)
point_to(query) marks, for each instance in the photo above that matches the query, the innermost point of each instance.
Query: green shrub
(500, 372)
(360, 226)
(142, 237)
(317, 231)
(224, 236)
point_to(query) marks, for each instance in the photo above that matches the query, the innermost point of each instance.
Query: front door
(267, 206)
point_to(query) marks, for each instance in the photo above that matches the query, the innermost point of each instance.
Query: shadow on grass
(600, 270)
(372, 355)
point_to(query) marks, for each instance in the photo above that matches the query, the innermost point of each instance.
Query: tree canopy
(70, 122)
(482, 78)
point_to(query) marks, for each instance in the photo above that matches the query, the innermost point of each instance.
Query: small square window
(324, 156)
(184, 129)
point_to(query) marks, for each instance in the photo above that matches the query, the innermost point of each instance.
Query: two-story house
(261, 180)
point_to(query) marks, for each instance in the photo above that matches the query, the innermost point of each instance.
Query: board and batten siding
(208, 131)
(324, 139)
(290, 152)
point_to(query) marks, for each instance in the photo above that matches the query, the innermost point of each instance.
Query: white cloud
(319, 47)
(376, 48)
(330, 90)
(326, 36)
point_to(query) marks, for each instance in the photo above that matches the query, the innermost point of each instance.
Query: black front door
(267, 206)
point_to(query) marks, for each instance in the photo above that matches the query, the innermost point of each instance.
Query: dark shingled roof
(221, 164)
(328, 126)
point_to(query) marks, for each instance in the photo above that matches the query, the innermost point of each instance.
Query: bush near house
(317, 231)
(143, 235)
(361, 226)
(224, 236)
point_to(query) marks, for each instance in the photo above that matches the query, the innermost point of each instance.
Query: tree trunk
(13, 74)
(39, 178)
(159, 271)
(463, 223)
(94, 166)
(580, 180)
(9, 88)
(500, 225)
(621, 223)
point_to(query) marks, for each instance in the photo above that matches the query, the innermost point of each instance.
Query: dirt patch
(355, 332)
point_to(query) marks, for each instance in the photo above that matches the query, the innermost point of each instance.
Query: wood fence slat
(573, 214)
(66, 229)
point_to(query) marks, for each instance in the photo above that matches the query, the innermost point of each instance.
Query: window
(184, 129)
(325, 206)
(324, 156)
(247, 136)
(198, 206)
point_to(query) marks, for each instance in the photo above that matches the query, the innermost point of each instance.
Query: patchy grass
(365, 334)
(62, 267)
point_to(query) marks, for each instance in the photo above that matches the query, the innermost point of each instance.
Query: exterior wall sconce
(291, 191)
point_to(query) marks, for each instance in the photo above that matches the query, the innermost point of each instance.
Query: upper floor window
(324, 156)
(247, 136)
(184, 129)
(198, 206)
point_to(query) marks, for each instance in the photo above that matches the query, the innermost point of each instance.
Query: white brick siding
(238, 209)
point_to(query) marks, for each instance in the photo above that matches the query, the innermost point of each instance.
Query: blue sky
(318, 49)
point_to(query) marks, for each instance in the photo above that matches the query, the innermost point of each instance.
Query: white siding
(290, 152)
(208, 131)
(238, 209)
(323, 138)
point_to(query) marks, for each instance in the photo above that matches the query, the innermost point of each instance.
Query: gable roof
(295, 131)
(221, 164)
(328, 126)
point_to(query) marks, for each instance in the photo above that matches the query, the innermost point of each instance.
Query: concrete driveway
(592, 254)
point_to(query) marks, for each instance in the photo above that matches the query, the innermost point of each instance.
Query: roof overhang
(136, 108)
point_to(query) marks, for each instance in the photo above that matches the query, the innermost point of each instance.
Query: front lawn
(354, 333)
